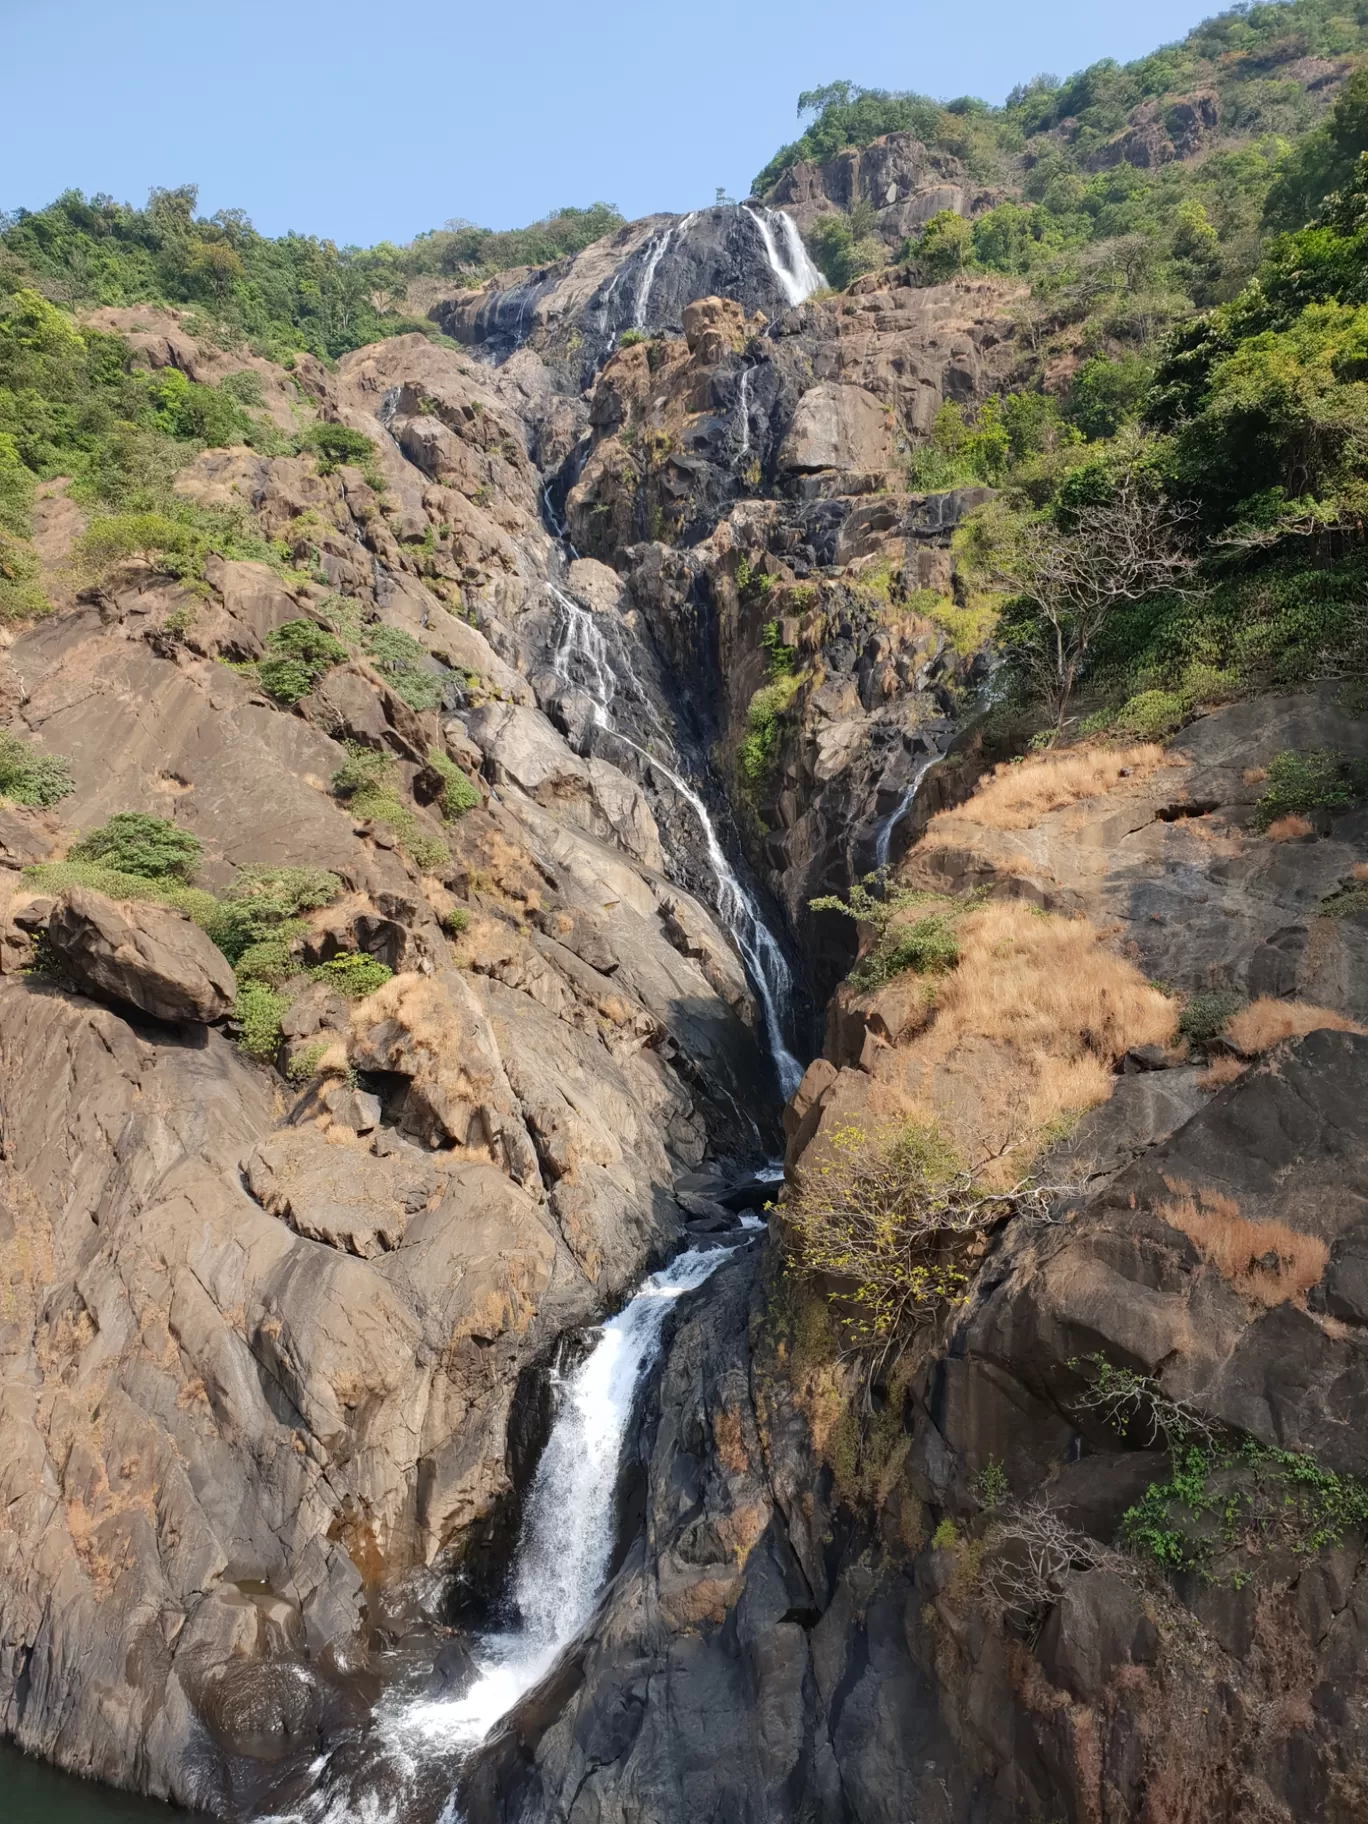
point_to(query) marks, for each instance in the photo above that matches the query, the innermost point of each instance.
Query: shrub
(305, 1062)
(298, 655)
(366, 781)
(459, 794)
(28, 777)
(1204, 1015)
(334, 445)
(1236, 1504)
(262, 902)
(1151, 715)
(630, 338)
(134, 843)
(457, 921)
(928, 946)
(1319, 780)
(353, 975)
(257, 1014)
(404, 665)
(895, 1220)
(764, 726)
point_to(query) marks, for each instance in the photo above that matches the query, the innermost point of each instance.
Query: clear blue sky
(370, 122)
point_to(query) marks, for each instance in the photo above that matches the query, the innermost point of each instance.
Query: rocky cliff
(607, 661)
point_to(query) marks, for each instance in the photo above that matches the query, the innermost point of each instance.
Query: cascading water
(797, 277)
(582, 639)
(560, 1569)
(883, 840)
(743, 412)
(656, 251)
(566, 1544)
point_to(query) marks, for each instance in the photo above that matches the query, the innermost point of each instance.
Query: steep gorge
(281, 1338)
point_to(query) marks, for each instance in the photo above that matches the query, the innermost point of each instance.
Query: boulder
(147, 956)
(837, 427)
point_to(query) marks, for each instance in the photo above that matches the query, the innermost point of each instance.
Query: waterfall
(797, 276)
(656, 252)
(581, 638)
(566, 1544)
(883, 841)
(560, 1569)
(744, 410)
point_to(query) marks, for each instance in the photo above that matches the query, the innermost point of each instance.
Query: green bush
(764, 727)
(1222, 1507)
(1204, 1015)
(134, 843)
(353, 975)
(298, 654)
(457, 921)
(459, 794)
(262, 903)
(843, 247)
(1103, 395)
(1319, 780)
(366, 782)
(336, 445)
(305, 1062)
(258, 1013)
(928, 946)
(1151, 715)
(28, 777)
(405, 665)
(631, 337)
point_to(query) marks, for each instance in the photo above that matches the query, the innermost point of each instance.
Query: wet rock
(262, 1710)
(142, 955)
(453, 1671)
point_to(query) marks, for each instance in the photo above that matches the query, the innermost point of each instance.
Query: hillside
(684, 981)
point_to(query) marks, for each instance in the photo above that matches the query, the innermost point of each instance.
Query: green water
(31, 1793)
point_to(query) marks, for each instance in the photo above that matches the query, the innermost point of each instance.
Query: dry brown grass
(1359, 871)
(1221, 1070)
(1028, 1030)
(1043, 982)
(1267, 1262)
(1266, 1022)
(1016, 795)
(1288, 829)
(1254, 775)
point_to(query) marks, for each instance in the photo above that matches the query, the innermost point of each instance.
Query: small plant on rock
(28, 777)
(134, 843)
(367, 782)
(298, 655)
(353, 975)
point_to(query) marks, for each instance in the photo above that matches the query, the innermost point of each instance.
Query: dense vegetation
(1104, 185)
(293, 292)
(1180, 456)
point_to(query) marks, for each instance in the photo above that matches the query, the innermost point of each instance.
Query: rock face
(141, 956)
(806, 1625)
(643, 278)
(276, 1333)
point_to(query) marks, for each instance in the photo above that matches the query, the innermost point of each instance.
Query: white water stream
(560, 1570)
(798, 277)
(581, 638)
(655, 253)
(883, 841)
(566, 1544)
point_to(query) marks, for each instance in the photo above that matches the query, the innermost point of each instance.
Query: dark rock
(143, 955)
